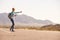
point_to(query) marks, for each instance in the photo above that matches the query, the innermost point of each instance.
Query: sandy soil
(21, 34)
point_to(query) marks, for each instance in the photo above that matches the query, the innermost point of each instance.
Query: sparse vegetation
(51, 27)
(47, 27)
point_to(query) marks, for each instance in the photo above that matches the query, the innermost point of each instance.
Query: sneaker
(12, 30)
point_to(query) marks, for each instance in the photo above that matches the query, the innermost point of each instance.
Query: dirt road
(21, 34)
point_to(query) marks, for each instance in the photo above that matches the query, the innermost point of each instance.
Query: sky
(39, 9)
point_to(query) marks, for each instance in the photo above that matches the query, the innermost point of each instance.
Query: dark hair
(13, 8)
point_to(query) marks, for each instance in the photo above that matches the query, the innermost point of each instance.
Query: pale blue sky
(39, 9)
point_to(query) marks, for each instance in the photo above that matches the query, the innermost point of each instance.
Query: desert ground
(25, 34)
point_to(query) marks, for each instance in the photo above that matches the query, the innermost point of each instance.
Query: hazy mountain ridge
(23, 19)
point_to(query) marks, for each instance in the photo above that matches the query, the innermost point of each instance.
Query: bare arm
(15, 13)
(19, 12)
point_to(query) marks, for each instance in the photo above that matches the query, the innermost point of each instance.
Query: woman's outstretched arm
(19, 12)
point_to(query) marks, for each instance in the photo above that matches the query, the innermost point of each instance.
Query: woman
(10, 16)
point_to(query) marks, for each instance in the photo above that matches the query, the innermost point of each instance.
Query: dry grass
(48, 27)
(51, 27)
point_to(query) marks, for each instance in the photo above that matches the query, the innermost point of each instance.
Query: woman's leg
(12, 27)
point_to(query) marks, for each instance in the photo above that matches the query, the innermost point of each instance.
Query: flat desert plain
(21, 34)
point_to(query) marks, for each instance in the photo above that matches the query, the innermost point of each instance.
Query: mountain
(23, 19)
